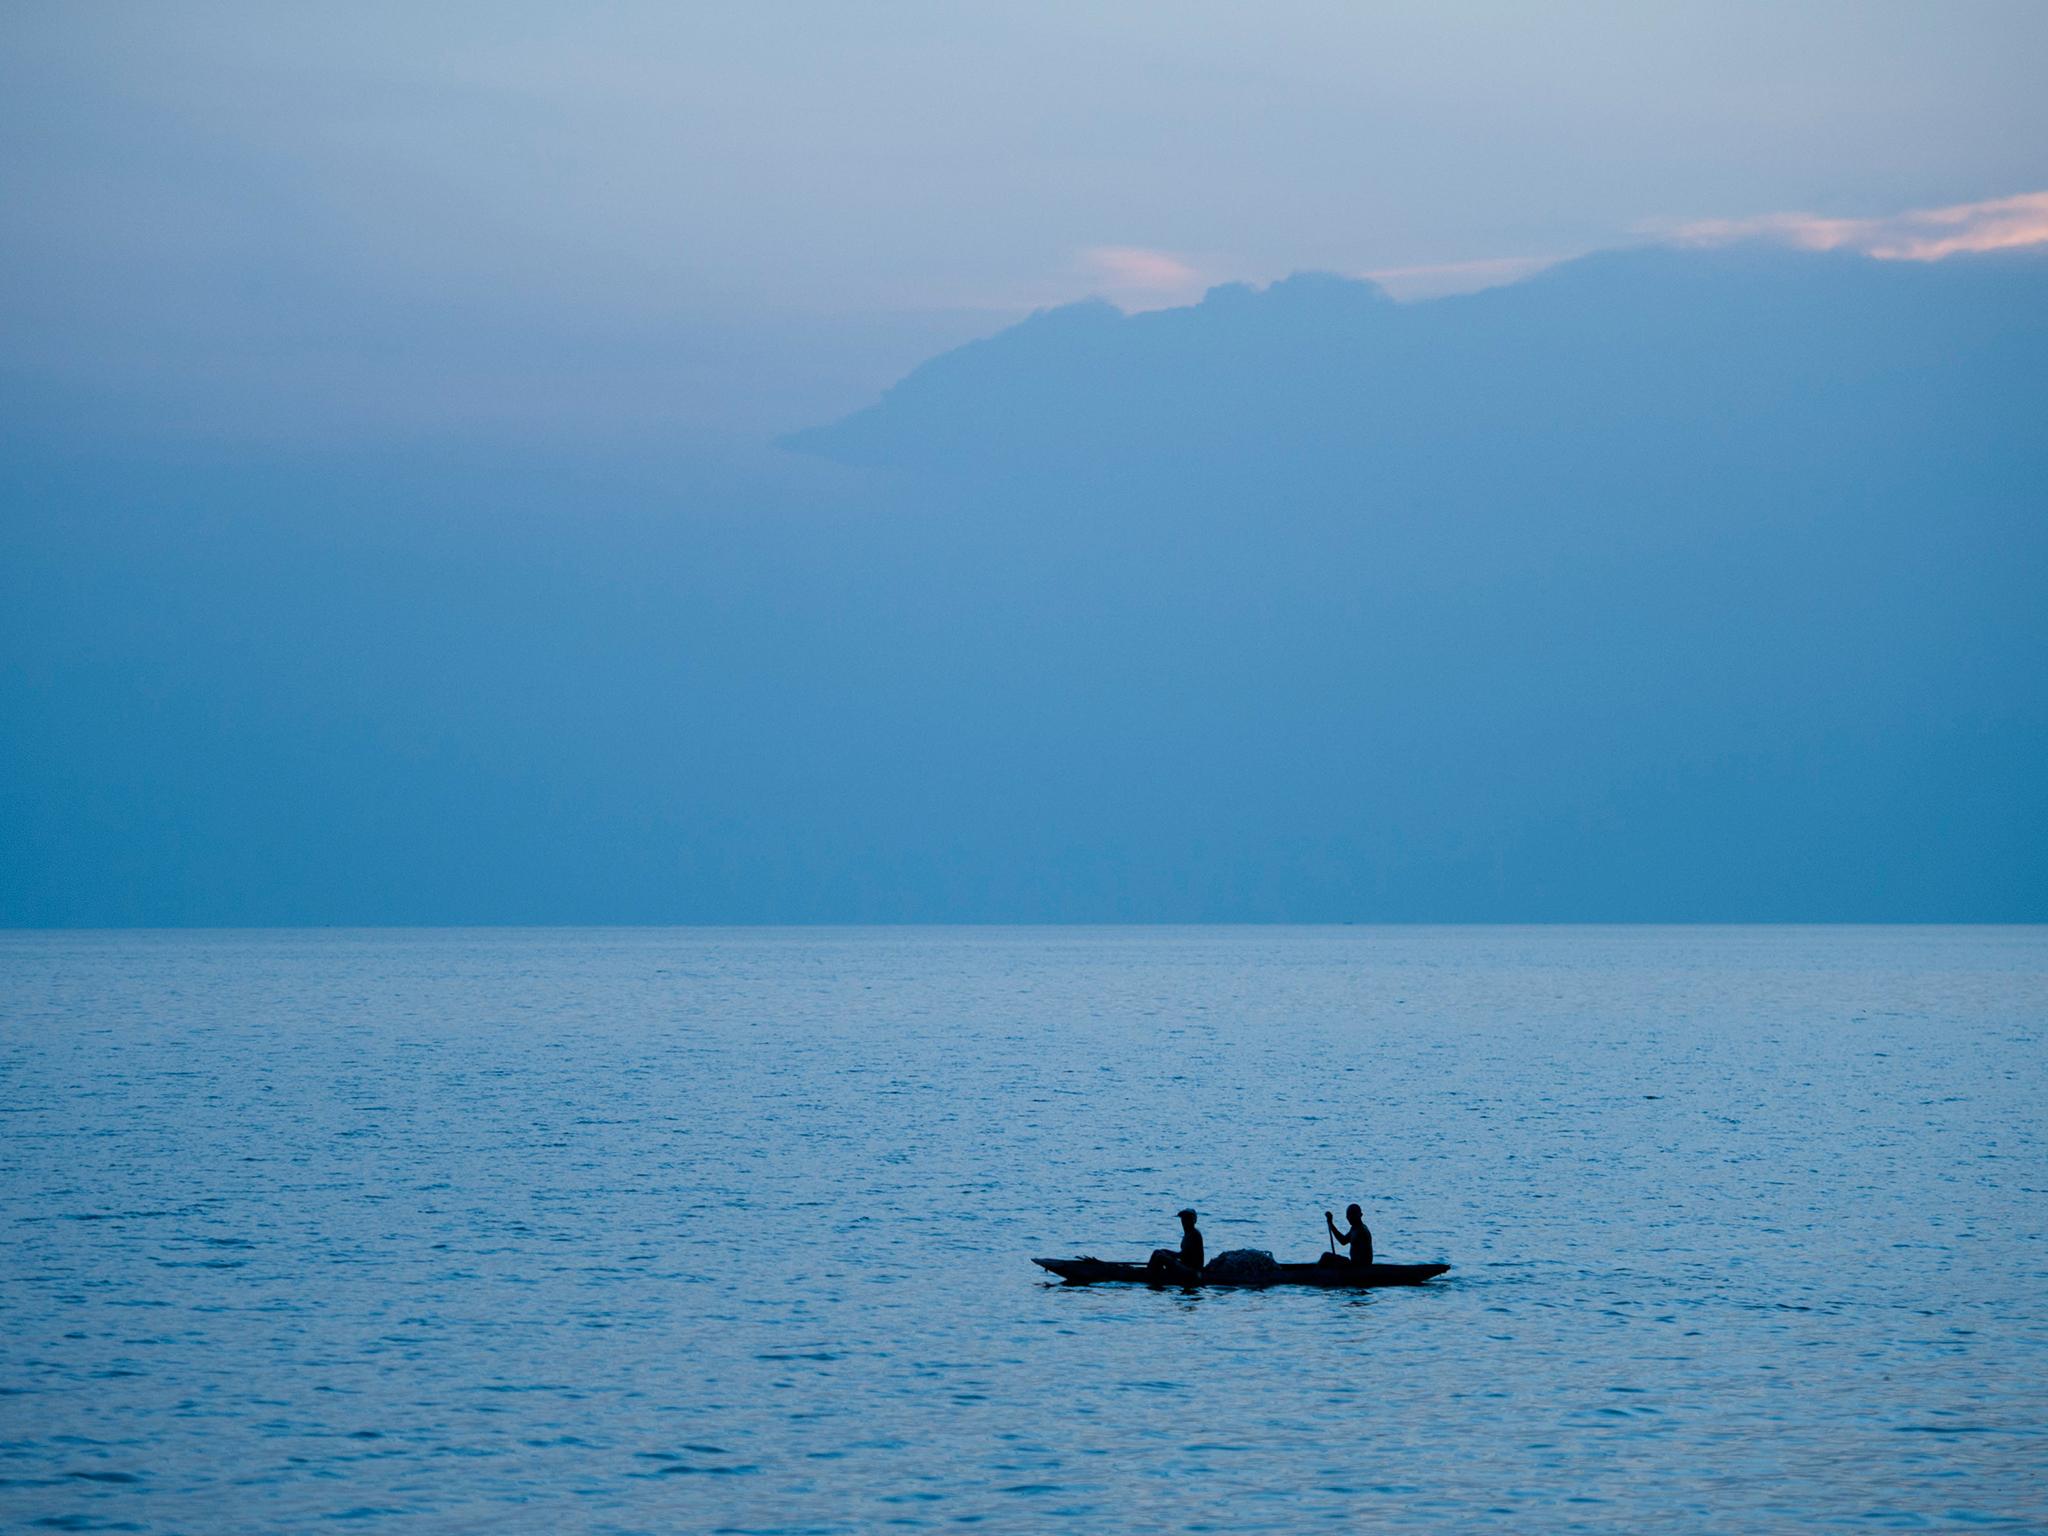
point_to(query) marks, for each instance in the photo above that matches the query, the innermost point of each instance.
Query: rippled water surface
(690, 1231)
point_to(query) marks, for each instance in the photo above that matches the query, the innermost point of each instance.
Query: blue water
(692, 1231)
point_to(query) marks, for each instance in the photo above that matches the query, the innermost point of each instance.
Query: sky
(651, 462)
(721, 222)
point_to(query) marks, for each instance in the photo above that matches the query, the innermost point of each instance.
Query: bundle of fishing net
(1239, 1264)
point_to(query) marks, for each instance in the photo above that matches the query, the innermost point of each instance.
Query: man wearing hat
(1185, 1265)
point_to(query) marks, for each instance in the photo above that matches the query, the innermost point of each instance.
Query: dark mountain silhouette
(1665, 585)
(1663, 573)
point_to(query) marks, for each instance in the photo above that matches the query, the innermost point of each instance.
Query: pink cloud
(1922, 234)
(1134, 269)
(1447, 277)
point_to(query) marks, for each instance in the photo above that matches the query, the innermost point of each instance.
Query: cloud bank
(1920, 234)
(1138, 278)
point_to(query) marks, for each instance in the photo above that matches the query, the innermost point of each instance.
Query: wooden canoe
(1332, 1277)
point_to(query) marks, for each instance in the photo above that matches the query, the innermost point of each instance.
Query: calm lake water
(727, 1230)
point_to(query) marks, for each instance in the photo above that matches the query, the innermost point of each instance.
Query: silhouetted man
(1185, 1265)
(1358, 1239)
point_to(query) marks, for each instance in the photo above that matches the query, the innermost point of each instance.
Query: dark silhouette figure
(1185, 1265)
(1358, 1239)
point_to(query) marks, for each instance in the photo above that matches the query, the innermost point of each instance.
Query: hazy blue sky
(393, 526)
(324, 220)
